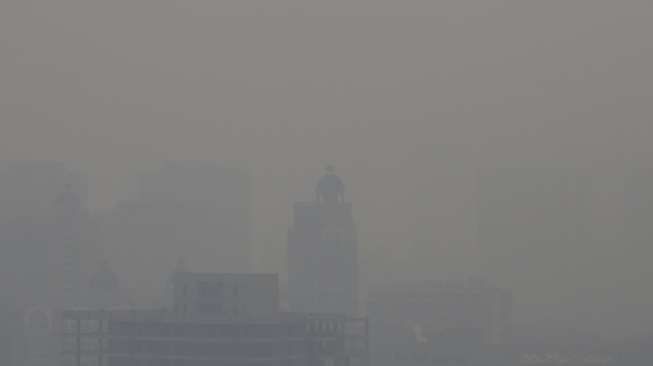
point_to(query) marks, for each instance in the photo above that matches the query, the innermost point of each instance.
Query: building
(323, 253)
(9, 333)
(131, 337)
(420, 324)
(226, 295)
(216, 319)
(43, 217)
(104, 289)
(196, 210)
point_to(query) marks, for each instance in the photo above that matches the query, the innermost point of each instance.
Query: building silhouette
(226, 295)
(322, 252)
(195, 210)
(214, 319)
(43, 219)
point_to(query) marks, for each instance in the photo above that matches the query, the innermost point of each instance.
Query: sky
(428, 109)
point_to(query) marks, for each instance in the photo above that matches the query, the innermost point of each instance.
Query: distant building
(226, 295)
(323, 252)
(9, 334)
(104, 290)
(438, 322)
(218, 319)
(196, 210)
(43, 216)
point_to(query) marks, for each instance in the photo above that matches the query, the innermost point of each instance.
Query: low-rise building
(215, 319)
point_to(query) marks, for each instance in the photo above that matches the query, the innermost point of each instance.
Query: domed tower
(330, 188)
(323, 252)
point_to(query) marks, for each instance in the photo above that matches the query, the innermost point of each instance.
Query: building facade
(216, 319)
(43, 237)
(323, 252)
(161, 338)
(226, 295)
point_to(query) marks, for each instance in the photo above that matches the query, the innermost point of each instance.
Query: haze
(504, 139)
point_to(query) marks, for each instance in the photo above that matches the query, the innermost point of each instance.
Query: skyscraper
(42, 247)
(323, 253)
(42, 212)
(196, 210)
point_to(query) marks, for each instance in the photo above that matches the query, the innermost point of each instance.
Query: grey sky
(413, 101)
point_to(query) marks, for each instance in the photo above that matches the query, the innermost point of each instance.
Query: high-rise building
(322, 252)
(42, 247)
(11, 327)
(195, 210)
(42, 212)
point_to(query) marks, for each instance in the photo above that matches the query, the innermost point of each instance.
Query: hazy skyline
(416, 104)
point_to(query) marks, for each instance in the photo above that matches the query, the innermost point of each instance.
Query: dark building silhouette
(322, 252)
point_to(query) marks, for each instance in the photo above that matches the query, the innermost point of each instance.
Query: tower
(322, 252)
(69, 215)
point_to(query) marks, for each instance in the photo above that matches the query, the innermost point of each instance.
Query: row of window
(157, 330)
(85, 325)
(207, 350)
(127, 361)
(259, 347)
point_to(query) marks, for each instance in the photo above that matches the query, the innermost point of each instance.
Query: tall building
(42, 213)
(8, 332)
(70, 218)
(42, 250)
(323, 253)
(195, 210)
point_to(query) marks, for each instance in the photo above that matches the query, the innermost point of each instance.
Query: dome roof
(330, 187)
